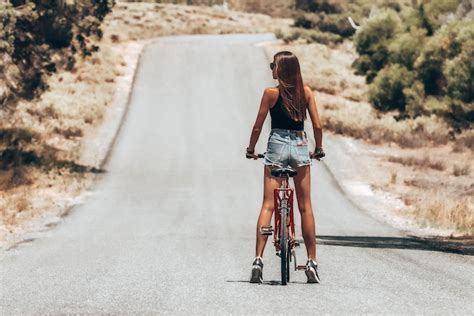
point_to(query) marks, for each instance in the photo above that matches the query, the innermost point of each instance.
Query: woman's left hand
(250, 156)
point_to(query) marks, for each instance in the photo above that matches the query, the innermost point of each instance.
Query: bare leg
(269, 184)
(303, 193)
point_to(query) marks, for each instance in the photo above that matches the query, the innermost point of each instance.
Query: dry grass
(415, 176)
(50, 193)
(393, 178)
(74, 103)
(137, 21)
(46, 141)
(461, 170)
(360, 120)
(463, 141)
(41, 141)
(446, 213)
(423, 163)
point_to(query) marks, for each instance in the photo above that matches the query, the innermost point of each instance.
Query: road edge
(98, 144)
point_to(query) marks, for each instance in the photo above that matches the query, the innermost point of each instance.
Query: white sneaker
(257, 270)
(312, 272)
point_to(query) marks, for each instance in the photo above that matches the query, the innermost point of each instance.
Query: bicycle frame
(283, 198)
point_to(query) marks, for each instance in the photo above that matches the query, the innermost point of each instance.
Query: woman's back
(281, 119)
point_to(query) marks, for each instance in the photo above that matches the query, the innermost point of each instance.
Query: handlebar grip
(320, 157)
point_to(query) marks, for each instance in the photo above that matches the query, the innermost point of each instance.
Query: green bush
(376, 31)
(324, 37)
(372, 41)
(434, 10)
(335, 23)
(460, 115)
(306, 20)
(406, 47)
(414, 99)
(326, 6)
(394, 5)
(312, 36)
(459, 73)
(32, 31)
(7, 28)
(445, 44)
(386, 91)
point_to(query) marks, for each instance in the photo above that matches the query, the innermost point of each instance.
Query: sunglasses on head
(272, 65)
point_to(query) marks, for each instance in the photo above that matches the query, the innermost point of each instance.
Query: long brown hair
(291, 84)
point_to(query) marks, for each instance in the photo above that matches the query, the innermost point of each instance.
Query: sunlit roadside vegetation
(416, 56)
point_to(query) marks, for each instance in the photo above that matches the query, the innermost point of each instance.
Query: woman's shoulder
(308, 91)
(271, 90)
(272, 93)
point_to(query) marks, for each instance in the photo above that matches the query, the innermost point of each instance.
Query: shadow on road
(464, 246)
(271, 282)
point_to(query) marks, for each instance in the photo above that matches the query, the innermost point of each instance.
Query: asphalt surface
(170, 226)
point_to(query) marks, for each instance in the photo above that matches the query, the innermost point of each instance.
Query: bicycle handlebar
(310, 155)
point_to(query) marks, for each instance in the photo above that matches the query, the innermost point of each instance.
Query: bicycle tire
(283, 246)
(288, 256)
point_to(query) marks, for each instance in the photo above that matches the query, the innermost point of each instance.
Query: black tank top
(281, 119)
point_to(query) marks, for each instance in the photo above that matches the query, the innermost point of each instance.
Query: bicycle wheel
(288, 256)
(283, 246)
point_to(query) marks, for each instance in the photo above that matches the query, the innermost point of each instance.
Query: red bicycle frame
(280, 194)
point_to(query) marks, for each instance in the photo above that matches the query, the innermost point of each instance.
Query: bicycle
(284, 241)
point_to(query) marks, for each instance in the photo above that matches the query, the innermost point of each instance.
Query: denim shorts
(287, 148)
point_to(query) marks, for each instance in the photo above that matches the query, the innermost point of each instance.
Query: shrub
(362, 64)
(335, 23)
(414, 99)
(312, 36)
(406, 47)
(445, 44)
(372, 40)
(326, 6)
(386, 92)
(306, 20)
(460, 115)
(32, 31)
(459, 73)
(376, 31)
(434, 10)
(394, 5)
(7, 27)
(324, 37)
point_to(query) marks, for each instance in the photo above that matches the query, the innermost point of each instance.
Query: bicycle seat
(283, 172)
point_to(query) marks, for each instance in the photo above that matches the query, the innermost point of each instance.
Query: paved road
(170, 226)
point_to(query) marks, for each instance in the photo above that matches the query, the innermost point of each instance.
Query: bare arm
(313, 113)
(262, 114)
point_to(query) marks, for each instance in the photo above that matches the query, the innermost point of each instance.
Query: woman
(287, 145)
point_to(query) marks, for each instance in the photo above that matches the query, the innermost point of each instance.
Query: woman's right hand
(318, 153)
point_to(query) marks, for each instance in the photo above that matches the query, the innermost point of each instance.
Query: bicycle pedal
(266, 230)
(301, 267)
